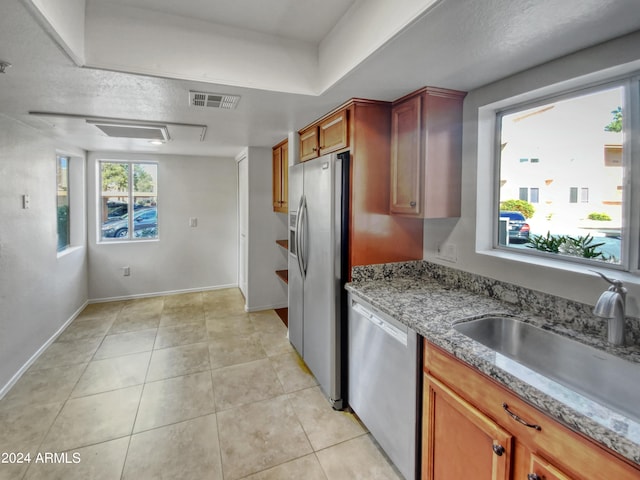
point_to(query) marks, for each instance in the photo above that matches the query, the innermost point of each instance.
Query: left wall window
(62, 202)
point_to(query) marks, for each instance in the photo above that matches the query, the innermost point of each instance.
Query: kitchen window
(586, 140)
(63, 210)
(128, 200)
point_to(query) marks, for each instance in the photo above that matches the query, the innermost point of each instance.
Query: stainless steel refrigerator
(318, 250)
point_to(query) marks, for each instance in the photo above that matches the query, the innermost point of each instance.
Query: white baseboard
(265, 307)
(161, 294)
(12, 381)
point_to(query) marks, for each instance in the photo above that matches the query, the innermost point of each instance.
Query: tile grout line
(44, 437)
(135, 417)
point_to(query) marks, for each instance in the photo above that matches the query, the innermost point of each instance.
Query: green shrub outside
(603, 217)
(522, 206)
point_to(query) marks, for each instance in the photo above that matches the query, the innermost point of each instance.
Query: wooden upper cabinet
(281, 177)
(406, 165)
(333, 133)
(309, 143)
(426, 153)
(329, 134)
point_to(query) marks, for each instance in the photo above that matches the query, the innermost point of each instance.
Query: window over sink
(575, 197)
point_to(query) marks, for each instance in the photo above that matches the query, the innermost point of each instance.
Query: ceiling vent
(132, 130)
(213, 100)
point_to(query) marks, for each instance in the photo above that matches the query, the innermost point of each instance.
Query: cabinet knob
(314, 149)
(412, 204)
(534, 476)
(498, 449)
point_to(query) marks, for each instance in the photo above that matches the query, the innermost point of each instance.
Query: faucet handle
(616, 285)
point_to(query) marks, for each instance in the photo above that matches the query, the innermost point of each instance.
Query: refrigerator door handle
(298, 235)
(302, 234)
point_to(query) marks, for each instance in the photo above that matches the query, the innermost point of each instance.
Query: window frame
(130, 202)
(630, 229)
(68, 245)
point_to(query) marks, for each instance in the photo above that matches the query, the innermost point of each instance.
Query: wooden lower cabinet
(467, 416)
(540, 469)
(461, 441)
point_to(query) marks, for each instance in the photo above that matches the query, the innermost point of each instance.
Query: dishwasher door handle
(388, 328)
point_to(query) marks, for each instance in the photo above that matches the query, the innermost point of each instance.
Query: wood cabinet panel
(406, 164)
(462, 442)
(280, 177)
(426, 157)
(309, 143)
(375, 236)
(333, 133)
(567, 452)
(284, 183)
(540, 469)
(364, 127)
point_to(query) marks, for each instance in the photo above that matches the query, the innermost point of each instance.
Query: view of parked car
(518, 227)
(145, 223)
(116, 210)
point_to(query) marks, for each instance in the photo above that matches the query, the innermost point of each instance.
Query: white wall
(39, 290)
(471, 233)
(184, 258)
(264, 290)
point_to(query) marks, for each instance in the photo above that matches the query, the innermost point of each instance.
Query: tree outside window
(128, 200)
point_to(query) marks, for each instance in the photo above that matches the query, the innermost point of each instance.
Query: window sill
(128, 242)
(68, 251)
(563, 265)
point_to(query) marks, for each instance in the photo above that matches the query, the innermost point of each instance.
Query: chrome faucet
(610, 305)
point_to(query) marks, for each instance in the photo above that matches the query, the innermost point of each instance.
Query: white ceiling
(460, 44)
(305, 20)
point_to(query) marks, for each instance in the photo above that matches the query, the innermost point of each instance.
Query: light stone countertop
(431, 307)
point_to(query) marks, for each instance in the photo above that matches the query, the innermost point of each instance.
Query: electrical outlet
(126, 271)
(448, 252)
(193, 222)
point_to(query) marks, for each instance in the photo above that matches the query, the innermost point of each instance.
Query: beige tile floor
(179, 387)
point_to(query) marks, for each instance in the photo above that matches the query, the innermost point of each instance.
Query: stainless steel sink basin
(605, 378)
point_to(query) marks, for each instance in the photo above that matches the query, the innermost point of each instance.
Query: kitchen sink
(603, 377)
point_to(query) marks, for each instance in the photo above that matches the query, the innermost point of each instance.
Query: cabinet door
(281, 178)
(406, 157)
(309, 143)
(460, 442)
(277, 179)
(284, 165)
(333, 133)
(543, 470)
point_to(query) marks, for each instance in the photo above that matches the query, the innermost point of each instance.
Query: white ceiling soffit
(302, 20)
(250, 37)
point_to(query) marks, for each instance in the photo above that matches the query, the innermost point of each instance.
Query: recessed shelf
(283, 275)
(283, 243)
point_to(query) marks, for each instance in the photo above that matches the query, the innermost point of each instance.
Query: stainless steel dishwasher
(383, 381)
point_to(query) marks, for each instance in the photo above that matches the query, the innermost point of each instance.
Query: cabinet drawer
(571, 452)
